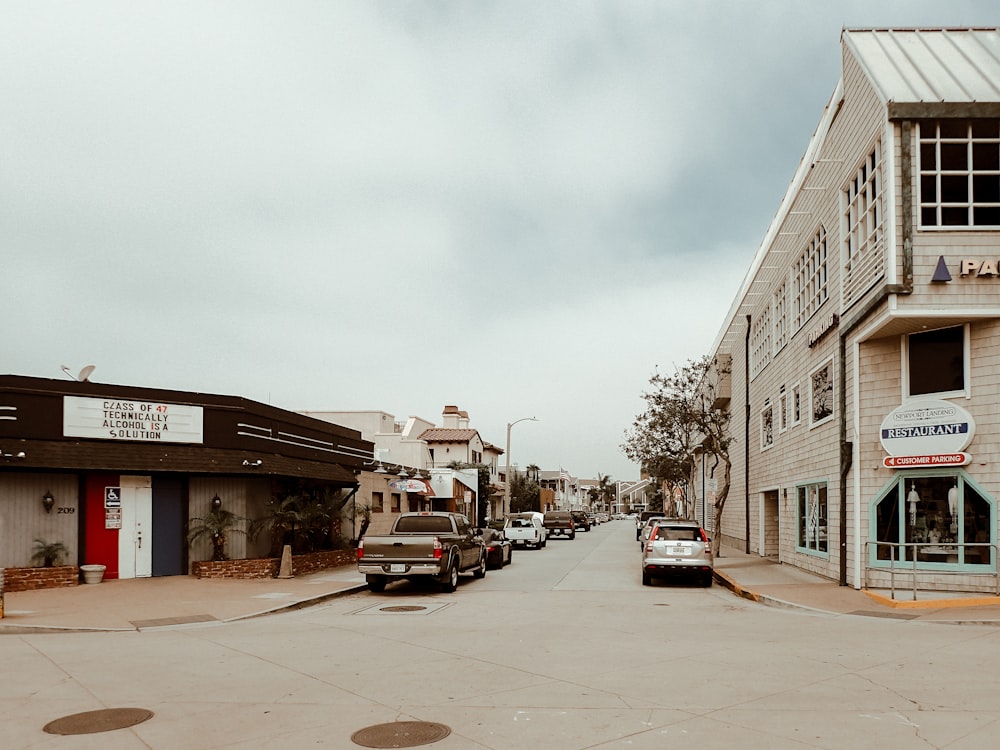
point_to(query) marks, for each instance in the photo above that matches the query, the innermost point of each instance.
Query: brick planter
(31, 579)
(267, 567)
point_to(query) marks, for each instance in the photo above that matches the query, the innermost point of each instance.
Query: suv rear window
(675, 534)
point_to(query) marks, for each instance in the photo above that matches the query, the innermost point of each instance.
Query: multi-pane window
(780, 313)
(864, 255)
(809, 280)
(760, 342)
(782, 410)
(936, 361)
(939, 517)
(795, 407)
(959, 173)
(378, 502)
(811, 507)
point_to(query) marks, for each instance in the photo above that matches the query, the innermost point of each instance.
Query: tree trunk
(720, 504)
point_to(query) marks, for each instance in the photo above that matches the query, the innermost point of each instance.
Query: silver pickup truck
(435, 544)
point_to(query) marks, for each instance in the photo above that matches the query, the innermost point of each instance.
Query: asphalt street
(563, 649)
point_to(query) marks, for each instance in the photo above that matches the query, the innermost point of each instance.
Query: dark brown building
(115, 472)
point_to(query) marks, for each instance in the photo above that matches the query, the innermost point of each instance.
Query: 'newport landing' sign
(927, 433)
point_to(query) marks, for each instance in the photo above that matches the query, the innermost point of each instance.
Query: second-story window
(959, 173)
(864, 253)
(809, 280)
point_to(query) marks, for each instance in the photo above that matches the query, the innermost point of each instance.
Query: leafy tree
(524, 493)
(483, 488)
(681, 419)
(304, 514)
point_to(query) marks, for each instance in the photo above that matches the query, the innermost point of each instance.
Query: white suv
(677, 547)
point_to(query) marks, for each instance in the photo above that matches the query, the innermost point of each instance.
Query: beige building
(863, 341)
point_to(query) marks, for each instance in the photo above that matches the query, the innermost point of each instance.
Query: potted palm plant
(48, 554)
(216, 525)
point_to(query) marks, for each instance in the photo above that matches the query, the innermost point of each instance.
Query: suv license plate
(679, 551)
(397, 568)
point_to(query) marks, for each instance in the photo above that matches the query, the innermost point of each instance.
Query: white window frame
(966, 364)
(779, 316)
(783, 422)
(813, 422)
(862, 227)
(936, 172)
(795, 405)
(767, 427)
(760, 343)
(810, 279)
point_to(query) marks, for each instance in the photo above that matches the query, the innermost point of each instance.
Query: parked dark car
(581, 520)
(499, 550)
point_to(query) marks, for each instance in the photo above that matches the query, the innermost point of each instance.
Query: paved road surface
(563, 649)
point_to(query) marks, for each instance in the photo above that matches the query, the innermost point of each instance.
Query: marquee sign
(128, 419)
(929, 432)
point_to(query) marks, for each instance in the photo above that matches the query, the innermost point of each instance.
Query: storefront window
(812, 519)
(940, 517)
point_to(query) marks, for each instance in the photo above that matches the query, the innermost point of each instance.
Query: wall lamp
(216, 503)
(254, 464)
(48, 501)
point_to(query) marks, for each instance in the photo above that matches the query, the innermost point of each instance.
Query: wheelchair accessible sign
(927, 433)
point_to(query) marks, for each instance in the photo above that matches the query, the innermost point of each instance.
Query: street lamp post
(506, 484)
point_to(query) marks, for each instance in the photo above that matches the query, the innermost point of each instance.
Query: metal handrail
(895, 547)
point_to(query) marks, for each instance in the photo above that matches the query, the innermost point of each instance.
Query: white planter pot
(93, 573)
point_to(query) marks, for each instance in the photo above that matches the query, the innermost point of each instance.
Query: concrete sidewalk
(769, 582)
(174, 601)
(170, 601)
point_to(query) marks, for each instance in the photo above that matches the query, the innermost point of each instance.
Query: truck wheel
(376, 583)
(480, 572)
(450, 582)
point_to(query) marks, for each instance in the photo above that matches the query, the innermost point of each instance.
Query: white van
(525, 529)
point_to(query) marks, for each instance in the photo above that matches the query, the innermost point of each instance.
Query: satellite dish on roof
(83, 377)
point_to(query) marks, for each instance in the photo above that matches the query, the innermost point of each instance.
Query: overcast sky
(519, 208)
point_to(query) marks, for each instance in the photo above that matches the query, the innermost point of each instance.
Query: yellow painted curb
(972, 601)
(730, 584)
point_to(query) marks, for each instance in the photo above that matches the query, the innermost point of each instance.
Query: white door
(135, 539)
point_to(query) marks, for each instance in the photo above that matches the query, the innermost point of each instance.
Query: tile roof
(448, 435)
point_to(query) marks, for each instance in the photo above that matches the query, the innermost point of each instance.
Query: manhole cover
(103, 720)
(403, 608)
(400, 734)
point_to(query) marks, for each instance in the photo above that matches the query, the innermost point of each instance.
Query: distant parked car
(581, 520)
(677, 548)
(640, 520)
